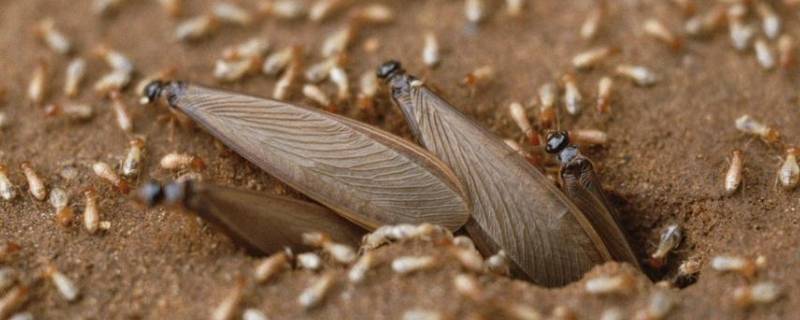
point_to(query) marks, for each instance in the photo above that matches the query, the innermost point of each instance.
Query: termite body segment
(261, 223)
(515, 207)
(337, 161)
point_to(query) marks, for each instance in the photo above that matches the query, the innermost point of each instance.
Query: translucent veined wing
(369, 176)
(259, 222)
(515, 208)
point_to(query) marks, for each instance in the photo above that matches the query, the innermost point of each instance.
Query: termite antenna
(556, 141)
(389, 68)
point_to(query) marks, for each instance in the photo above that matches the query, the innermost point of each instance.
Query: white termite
(68, 290)
(316, 292)
(409, 264)
(91, 212)
(35, 184)
(764, 54)
(76, 70)
(8, 191)
(230, 13)
(430, 50)
(133, 160)
(573, 100)
(640, 75)
(789, 172)
(54, 39)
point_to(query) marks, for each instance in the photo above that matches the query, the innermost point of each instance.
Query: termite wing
(367, 175)
(260, 223)
(550, 240)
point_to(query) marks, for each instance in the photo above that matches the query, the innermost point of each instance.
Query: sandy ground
(669, 149)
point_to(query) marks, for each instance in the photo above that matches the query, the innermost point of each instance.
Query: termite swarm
(789, 173)
(733, 177)
(315, 294)
(230, 304)
(671, 237)
(35, 184)
(46, 31)
(8, 191)
(64, 285)
(76, 70)
(104, 171)
(749, 125)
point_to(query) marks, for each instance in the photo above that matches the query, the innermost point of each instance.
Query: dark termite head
(556, 141)
(157, 88)
(389, 68)
(152, 91)
(153, 193)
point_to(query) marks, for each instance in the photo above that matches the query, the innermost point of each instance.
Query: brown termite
(104, 171)
(641, 76)
(46, 31)
(475, 11)
(590, 26)
(283, 9)
(106, 7)
(75, 111)
(789, 172)
(749, 125)
(764, 54)
(231, 13)
(604, 94)
(573, 100)
(124, 120)
(670, 238)
(763, 292)
(261, 223)
(733, 177)
(520, 117)
(592, 57)
(35, 184)
(322, 9)
(787, 52)
(173, 8)
(91, 211)
(76, 70)
(37, 88)
(178, 161)
(271, 266)
(430, 50)
(227, 309)
(8, 191)
(514, 7)
(196, 28)
(131, 165)
(59, 199)
(316, 292)
(659, 31)
(12, 300)
(741, 265)
(334, 160)
(547, 102)
(587, 234)
(68, 290)
(770, 21)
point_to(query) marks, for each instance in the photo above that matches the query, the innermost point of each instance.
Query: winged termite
(259, 222)
(549, 239)
(369, 176)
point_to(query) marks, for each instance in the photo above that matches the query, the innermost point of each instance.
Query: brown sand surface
(669, 149)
